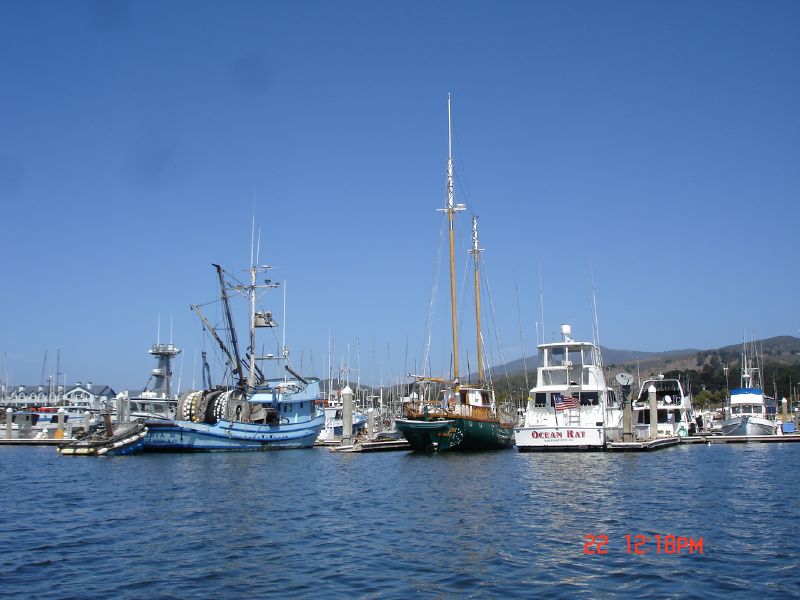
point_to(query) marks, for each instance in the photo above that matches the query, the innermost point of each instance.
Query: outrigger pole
(219, 341)
(229, 319)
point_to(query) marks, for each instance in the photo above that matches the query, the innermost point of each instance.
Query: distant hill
(783, 349)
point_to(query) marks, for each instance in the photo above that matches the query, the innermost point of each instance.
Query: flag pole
(555, 410)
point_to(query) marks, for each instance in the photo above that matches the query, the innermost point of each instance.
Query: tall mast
(251, 376)
(475, 256)
(451, 210)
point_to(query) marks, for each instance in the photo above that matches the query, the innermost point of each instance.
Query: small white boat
(334, 420)
(674, 413)
(747, 408)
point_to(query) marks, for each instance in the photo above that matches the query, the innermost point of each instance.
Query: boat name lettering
(558, 435)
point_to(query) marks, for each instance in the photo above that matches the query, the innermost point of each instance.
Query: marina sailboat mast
(451, 209)
(476, 259)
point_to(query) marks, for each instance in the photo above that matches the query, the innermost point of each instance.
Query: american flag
(563, 403)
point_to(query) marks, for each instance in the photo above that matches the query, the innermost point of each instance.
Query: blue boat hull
(134, 448)
(188, 436)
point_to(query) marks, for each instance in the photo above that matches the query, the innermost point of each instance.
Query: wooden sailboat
(467, 418)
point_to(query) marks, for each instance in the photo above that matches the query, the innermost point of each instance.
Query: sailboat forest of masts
(467, 418)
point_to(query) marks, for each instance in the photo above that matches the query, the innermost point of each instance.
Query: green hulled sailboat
(467, 417)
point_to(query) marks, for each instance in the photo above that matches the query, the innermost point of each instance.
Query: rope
(494, 321)
(429, 327)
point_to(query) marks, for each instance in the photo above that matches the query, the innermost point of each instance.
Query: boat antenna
(595, 322)
(58, 372)
(258, 246)
(44, 366)
(253, 230)
(283, 339)
(541, 304)
(521, 336)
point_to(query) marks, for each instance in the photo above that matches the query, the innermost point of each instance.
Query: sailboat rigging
(467, 417)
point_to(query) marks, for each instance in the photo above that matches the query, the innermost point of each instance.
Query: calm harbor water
(316, 524)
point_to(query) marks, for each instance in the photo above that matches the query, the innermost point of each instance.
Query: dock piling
(347, 415)
(651, 397)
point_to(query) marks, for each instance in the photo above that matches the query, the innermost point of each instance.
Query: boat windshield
(586, 398)
(564, 356)
(747, 409)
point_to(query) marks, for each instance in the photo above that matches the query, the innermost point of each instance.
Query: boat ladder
(573, 417)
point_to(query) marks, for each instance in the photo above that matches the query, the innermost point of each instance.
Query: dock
(741, 439)
(643, 446)
(382, 446)
(34, 441)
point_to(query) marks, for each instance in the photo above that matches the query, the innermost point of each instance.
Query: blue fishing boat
(277, 414)
(254, 412)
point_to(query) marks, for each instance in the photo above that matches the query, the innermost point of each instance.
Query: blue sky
(646, 151)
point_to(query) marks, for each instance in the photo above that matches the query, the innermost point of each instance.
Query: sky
(644, 154)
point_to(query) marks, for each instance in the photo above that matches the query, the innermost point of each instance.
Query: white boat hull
(541, 438)
(747, 425)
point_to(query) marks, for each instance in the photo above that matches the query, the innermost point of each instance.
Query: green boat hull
(455, 433)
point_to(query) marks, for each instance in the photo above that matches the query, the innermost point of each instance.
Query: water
(309, 523)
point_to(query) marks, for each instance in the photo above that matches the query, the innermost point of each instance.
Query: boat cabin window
(552, 356)
(554, 377)
(589, 398)
(540, 399)
(588, 357)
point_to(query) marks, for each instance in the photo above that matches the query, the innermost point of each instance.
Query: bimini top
(757, 391)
